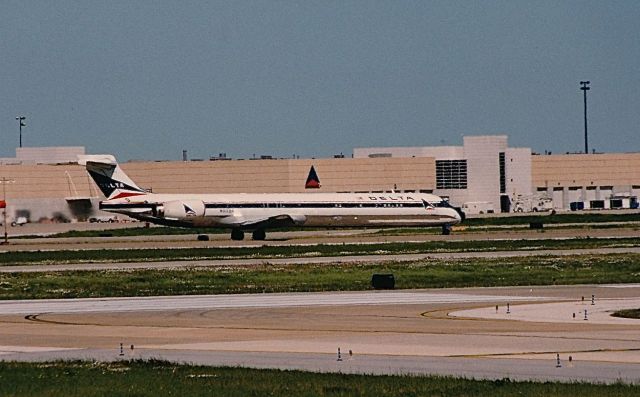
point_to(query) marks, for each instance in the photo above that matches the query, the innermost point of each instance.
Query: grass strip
(554, 219)
(157, 378)
(480, 272)
(629, 313)
(132, 231)
(143, 255)
(497, 228)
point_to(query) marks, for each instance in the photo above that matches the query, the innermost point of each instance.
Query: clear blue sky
(147, 79)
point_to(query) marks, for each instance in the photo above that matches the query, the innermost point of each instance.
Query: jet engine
(180, 209)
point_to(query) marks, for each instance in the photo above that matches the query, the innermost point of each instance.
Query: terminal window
(451, 174)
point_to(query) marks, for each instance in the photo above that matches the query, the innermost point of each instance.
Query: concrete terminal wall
(46, 181)
(284, 175)
(45, 191)
(613, 169)
(586, 177)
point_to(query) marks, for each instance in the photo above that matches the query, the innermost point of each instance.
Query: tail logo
(313, 182)
(108, 185)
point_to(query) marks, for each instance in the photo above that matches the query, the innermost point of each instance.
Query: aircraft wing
(282, 220)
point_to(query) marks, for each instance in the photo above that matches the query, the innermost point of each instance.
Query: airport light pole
(21, 122)
(585, 87)
(4, 181)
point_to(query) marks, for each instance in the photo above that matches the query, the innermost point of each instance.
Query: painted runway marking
(32, 349)
(619, 286)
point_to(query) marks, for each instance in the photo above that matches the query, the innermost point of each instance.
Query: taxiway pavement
(387, 332)
(462, 332)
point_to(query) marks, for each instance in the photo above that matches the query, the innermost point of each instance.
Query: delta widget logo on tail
(313, 182)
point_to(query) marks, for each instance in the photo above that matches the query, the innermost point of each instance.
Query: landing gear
(259, 234)
(446, 230)
(237, 234)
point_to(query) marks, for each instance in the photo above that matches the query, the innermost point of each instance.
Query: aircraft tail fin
(109, 177)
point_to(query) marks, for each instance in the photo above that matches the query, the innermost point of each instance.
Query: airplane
(258, 212)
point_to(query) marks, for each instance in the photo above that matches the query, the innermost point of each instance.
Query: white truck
(533, 203)
(478, 207)
(19, 221)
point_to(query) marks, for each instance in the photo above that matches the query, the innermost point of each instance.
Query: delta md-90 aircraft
(258, 212)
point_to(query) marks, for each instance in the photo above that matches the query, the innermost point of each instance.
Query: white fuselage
(255, 211)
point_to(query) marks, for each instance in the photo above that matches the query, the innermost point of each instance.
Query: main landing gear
(259, 234)
(237, 234)
(446, 230)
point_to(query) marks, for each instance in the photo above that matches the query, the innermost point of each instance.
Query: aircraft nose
(459, 214)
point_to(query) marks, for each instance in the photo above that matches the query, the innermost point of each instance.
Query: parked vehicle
(534, 203)
(103, 219)
(478, 207)
(19, 221)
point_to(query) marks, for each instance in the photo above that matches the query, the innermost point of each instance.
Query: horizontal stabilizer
(106, 159)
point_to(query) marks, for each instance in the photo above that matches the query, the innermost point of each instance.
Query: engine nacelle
(181, 209)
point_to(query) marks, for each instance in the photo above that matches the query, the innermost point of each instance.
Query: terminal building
(486, 175)
(483, 175)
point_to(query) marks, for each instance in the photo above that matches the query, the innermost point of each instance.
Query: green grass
(144, 255)
(520, 271)
(559, 221)
(146, 231)
(134, 231)
(630, 313)
(156, 378)
(498, 228)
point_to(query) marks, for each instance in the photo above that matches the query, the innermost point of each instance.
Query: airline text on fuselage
(391, 198)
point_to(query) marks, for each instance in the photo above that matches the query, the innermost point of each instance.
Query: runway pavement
(462, 332)
(94, 305)
(575, 311)
(387, 331)
(480, 368)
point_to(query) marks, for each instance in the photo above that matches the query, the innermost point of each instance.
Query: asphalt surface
(478, 368)
(389, 332)
(461, 332)
(95, 305)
